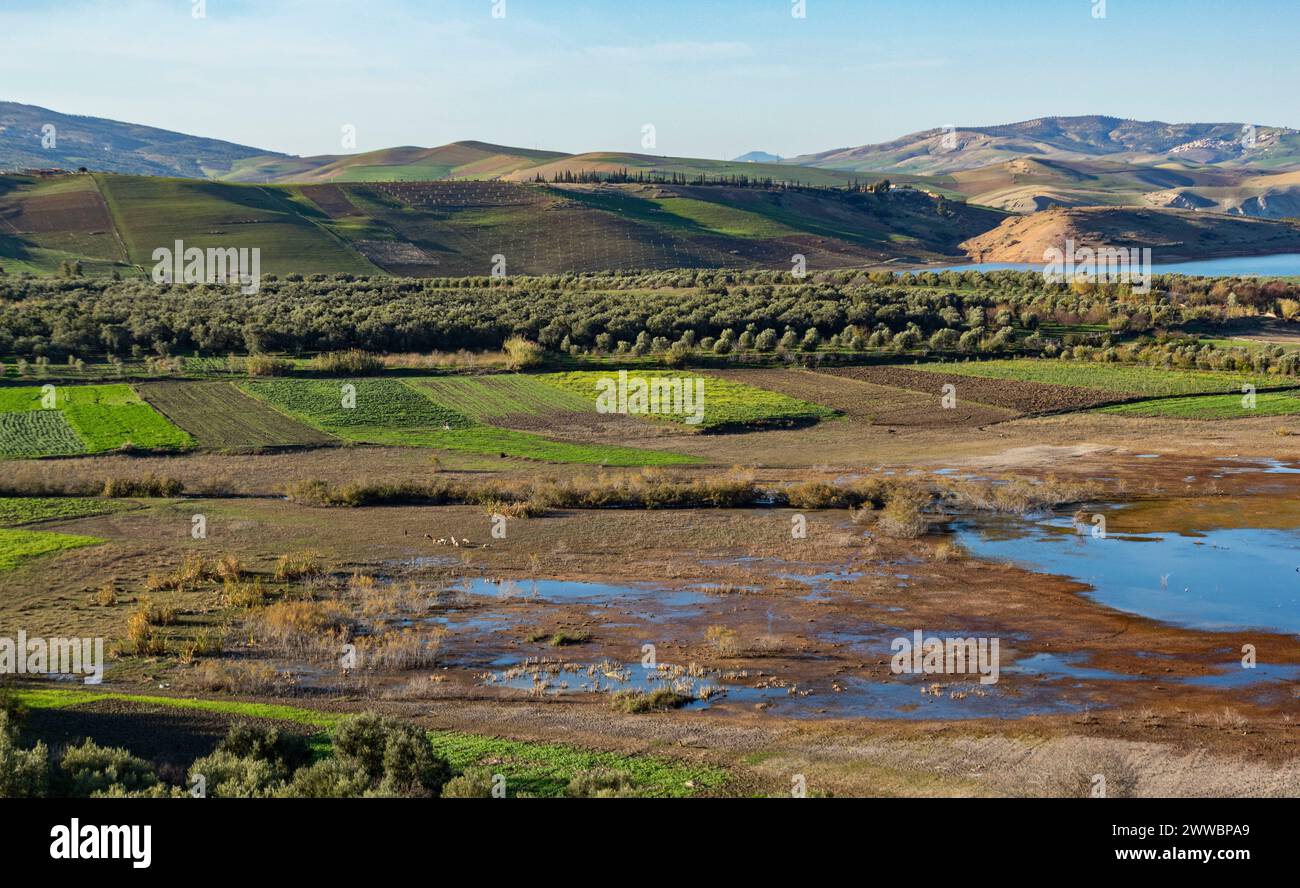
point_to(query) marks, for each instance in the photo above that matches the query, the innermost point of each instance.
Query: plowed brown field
(1015, 395)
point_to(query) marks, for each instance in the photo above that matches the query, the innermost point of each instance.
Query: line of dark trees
(624, 176)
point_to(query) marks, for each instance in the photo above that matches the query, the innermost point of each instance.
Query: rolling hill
(1172, 235)
(613, 162)
(459, 160)
(100, 144)
(448, 210)
(1021, 167)
(1029, 184)
(114, 223)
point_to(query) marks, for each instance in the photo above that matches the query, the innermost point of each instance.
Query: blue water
(569, 590)
(1226, 579)
(1278, 265)
(899, 697)
(1234, 676)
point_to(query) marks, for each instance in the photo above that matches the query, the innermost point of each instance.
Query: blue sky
(715, 77)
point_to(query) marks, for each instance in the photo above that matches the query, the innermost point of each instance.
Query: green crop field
(492, 397)
(38, 433)
(1251, 345)
(383, 407)
(1213, 406)
(28, 510)
(17, 546)
(389, 411)
(727, 404)
(220, 416)
(719, 218)
(84, 419)
(1120, 378)
(287, 228)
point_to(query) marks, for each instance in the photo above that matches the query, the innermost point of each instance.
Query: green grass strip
(25, 510)
(537, 768)
(17, 546)
(1212, 407)
(1133, 379)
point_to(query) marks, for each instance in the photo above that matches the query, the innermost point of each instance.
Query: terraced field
(17, 546)
(220, 416)
(726, 404)
(85, 419)
(390, 411)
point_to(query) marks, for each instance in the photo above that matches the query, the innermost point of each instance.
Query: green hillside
(455, 228)
(47, 221)
(150, 213)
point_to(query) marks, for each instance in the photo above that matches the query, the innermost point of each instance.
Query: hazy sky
(715, 77)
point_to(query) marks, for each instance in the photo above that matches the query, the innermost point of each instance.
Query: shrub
(330, 778)
(142, 637)
(267, 365)
(396, 756)
(89, 769)
(298, 566)
(475, 783)
(285, 749)
(354, 361)
(522, 353)
(634, 702)
(244, 593)
(601, 783)
(301, 625)
(150, 486)
(229, 567)
(948, 551)
(229, 776)
(105, 595)
(724, 640)
(678, 355)
(516, 508)
(24, 773)
(903, 516)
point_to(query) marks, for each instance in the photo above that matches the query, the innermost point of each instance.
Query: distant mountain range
(1232, 168)
(950, 149)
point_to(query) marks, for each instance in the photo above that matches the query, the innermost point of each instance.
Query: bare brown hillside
(1171, 234)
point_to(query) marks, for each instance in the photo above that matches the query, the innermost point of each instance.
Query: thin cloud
(684, 51)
